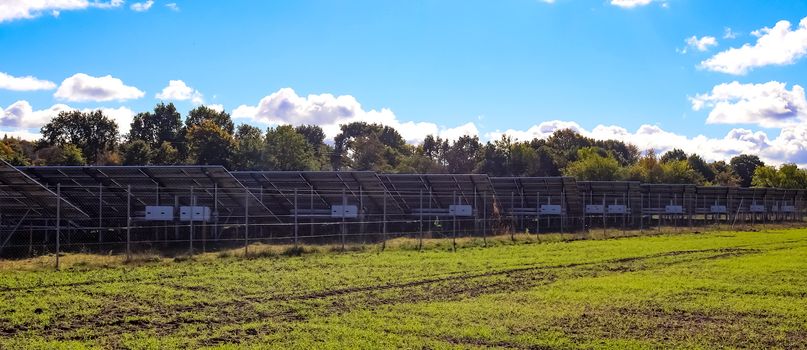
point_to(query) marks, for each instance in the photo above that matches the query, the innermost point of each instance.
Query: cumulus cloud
(780, 45)
(177, 90)
(142, 6)
(789, 146)
(26, 83)
(701, 44)
(769, 105)
(728, 33)
(82, 87)
(630, 3)
(286, 107)
(11, 10)
(20, 117)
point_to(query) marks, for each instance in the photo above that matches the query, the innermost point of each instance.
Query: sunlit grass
(612, 289)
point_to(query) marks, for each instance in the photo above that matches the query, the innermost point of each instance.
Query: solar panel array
(110, 194)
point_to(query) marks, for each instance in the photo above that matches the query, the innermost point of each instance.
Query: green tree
(679, 172)
(137, 152)
(744, 166)
(592, 165)
(673, 155)
(65, 154)
(162, 125)
(286, 149)
(199, 114)
(463, 155)
(92, 132)
(12, 155)
(249, 155)
(698, 164)
(167, 154)
(208, 144)
(787, 176)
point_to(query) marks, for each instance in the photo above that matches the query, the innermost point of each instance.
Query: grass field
(707, 290)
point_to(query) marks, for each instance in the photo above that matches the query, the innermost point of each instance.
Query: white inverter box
(460, 210)
(595, 209)
(344, 211)
(674, 209)
(194, 213)
(159, 213)
(550, 209)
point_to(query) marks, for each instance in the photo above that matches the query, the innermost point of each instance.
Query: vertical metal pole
(296, 227)
(246, 222)
(344, 204)
(420, 207)
(659, 215)
(216, 210)
(58, 221)
(454, 226)
(384, 238)
(100, 213)
(128, 222)
(192, 217)
(485, 218)
(603, 215)
(537, 213)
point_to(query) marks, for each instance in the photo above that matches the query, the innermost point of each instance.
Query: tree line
(210, 137)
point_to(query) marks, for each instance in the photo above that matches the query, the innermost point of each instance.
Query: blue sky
(658, 73)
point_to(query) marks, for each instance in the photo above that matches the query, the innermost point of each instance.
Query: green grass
(707, 290)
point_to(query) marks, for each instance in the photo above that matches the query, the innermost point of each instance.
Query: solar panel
(19, 193)
(318, 191)
(438, 191)
(521, 195)
(102, 190)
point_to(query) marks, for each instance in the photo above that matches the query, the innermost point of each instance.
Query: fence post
(343, 227)
(454, 227)
(100, 213)
(485, 218)
(246, 222)
(295, 218)
(58, 221)
(420, 207)
(129, 222)
(190, 233)
(384, 230)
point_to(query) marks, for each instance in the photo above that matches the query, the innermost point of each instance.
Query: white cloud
(142, 6)
(82, 87)
(11, 10)
(328, 111)
(630, 3)
(20, 118)
(177, 90)
(789, 146)
(172, 6)
(27, 83)
(729, 34)
(779, 45)
(769, 105)
(701, 44)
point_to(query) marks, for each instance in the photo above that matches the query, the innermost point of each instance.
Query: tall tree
(199, 114)
(463, 155)
(673, 155)
(698, 164)
(208, 144)
(744, 166)
(137, 152)
(249, 155)
(167, 154)
(65, 154)
(593, 165)
(286, 149)
(162, 125)
(92, 132)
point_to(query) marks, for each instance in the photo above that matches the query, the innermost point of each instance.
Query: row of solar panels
(110, 192)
